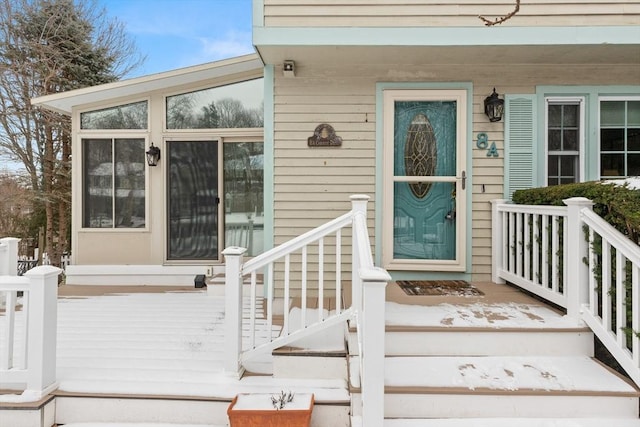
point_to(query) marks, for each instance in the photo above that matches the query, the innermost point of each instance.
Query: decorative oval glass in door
(420, 153)
(424, 202)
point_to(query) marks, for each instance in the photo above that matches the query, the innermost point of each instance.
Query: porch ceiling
(335, 56)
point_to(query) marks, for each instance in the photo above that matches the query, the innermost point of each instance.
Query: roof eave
(64, 102)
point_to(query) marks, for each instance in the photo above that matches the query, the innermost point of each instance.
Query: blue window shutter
(519, 134)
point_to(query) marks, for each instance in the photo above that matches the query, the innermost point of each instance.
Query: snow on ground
(507, 315)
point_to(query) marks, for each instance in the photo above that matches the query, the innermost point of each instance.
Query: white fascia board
(446, 36)
(65, 101)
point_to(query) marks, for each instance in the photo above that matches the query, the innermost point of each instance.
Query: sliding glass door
(193, 200)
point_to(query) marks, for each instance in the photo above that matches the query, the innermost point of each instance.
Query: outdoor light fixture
(494, 107)
(289, 68)
(153, 155)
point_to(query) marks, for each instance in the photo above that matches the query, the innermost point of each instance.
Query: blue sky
(180, 33)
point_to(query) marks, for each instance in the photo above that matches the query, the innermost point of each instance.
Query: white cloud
(233, 43)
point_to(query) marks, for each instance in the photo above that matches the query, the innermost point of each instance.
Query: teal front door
(425, 180)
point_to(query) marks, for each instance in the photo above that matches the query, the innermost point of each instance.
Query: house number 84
(483, 144)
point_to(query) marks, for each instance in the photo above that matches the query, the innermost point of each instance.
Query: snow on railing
(573, 258)
(28, 327)
(368, 299)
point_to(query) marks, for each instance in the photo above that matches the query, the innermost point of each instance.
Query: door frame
(387, 97)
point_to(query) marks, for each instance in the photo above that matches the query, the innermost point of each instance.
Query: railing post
(233, 309)
(373, 353)
(43, 322)
(9, 257)
(358, 207)
(577, 288)
(497, 249)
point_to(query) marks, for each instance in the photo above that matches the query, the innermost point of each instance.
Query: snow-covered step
(417, 341)
(505, 422)
(481, 329)
(472, 387)
(28, 414)
(289, 362)
(107, 410)
(331, 407)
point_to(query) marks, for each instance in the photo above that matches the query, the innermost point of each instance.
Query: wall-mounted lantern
(153, 155)
(494, 107)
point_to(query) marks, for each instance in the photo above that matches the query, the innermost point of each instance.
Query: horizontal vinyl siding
(313, 185)
(487, 184)
(409, 13)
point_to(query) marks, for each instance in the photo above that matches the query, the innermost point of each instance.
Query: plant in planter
(280, 400)
(265, 410)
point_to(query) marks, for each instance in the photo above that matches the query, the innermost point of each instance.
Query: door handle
(463, 178)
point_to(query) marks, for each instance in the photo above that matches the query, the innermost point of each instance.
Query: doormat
(460, 288)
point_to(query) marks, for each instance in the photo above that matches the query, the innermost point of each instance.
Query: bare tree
(51, 46)
(233, 114)
(15, 205)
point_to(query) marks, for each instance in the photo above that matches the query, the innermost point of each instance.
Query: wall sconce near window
(494, 107)
(289, 69)
(153, 155)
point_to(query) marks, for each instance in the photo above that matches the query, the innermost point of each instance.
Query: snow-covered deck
(169, 342)
(158, 344)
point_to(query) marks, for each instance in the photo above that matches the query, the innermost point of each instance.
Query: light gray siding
(312, 185)
(442, 13)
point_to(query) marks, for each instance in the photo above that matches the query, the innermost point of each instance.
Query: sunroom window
(619, 138)
(564, 136)
(237, 105)
(128, 116)
(113, 183)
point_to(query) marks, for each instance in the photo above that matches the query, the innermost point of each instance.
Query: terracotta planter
(255, 410)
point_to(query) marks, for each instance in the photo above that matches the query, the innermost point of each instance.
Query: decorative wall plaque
(324, 136)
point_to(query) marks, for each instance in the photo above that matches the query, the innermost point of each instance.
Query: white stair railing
(367, 309)
(29, 326)
(573, 258)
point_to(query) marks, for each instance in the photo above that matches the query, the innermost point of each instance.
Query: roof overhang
(65, 101)
(450, 45)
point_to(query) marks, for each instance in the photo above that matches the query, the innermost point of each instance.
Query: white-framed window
(564, 140)
(126, 116)
(113, 141)
(235, 105)
(114, 182)
(619, 136)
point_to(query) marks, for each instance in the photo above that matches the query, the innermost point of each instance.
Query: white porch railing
(28, 336)
(573, 258)
(368, 300)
